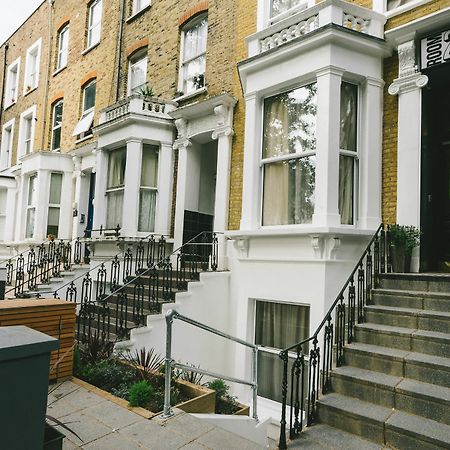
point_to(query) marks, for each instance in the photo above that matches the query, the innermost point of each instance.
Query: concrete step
(421, 341)
(437, 301)
(382, 425)
(409, 317)
(428, 282)
(414, 397)
(400, 363)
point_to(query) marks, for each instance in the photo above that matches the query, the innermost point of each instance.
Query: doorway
(435, 172)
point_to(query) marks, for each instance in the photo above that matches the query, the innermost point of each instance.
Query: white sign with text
(435, 49)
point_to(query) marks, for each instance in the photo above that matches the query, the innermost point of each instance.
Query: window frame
(33, 54)
(115, 189)
(54, 205)
(276, 159)
(355, 155)
(136, 58)
(58, 127)
(86, 112)
(63, 50)
(14, 67)
(149, 188)
(6, 152)
(184, 62)
(91, 26)
(28, 115)
(138, 6)
(32, 205)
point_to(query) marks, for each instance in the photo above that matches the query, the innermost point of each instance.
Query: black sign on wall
(435, 50)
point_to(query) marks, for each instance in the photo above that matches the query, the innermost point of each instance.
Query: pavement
(104, 425)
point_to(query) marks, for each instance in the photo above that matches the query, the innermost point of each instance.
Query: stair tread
(402, 331)
(419, 426)
(408, 311)
(407, 293)
(433, 392)
(368, 376)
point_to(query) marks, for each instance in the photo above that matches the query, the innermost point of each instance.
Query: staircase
(393, 388)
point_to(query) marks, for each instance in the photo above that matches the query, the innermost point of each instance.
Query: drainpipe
(119, 50)
(47, 76)
(3, 82)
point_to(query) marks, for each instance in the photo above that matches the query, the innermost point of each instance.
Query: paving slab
(219, 439)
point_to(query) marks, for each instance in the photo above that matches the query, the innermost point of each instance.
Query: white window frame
(3, 212)
(183, 62)
(30, 206)
(54, 205)
(147, 188)
(32, 66)
(12, 90)
(29, 114)
(139, 5)
(87, 115)
(58, 127)
(63, 52)
(92, 26)
(7, 146)
(134, 61)
(114, 189)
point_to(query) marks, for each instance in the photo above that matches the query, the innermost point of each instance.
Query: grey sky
(13, 13)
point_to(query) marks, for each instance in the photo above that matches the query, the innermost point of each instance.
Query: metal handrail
(335, 337)
(170, 316)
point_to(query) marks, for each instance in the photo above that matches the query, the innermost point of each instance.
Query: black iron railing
(40, 264)
(117, 295)
(307, 365)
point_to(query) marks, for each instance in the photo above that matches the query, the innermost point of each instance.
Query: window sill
(87, 50)
(191, 94)
(138, 14)
(86, 138)
(404, 8)
(25, 93)
(58, 70)
(9, 105)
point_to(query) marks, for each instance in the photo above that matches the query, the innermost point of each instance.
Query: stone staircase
(394, 390)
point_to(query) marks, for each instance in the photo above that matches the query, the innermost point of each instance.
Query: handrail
(311, 370)
(170, 316)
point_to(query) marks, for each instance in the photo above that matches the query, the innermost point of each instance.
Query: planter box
(53, 439)
(204, 401)
(244, 410)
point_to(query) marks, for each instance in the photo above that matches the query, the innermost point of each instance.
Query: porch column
(130, 211)
(371, 149)
(224, 136)
(165, 183)
(182, 146)
(100, 203)
(408, 86)
(41, 214)
(251, 192)
(326, 210)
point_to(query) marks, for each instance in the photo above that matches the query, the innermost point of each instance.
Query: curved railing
(311, 367)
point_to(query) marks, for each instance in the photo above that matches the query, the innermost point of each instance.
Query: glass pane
(96, 13)
(147, 210)
(57, 114)
(3, 193)
(56, 138)
(290, 122)
(149, 171)
(194, 74)
(89, 96)
(346, 187)
(348, 122)
(32, 191)
(53, 221)
(138, 73)
(55, 189)
(392, 4)
(289, 191)
(29, 231)
(116, 168)
(114, 211)
(280, 6)
(195, 40)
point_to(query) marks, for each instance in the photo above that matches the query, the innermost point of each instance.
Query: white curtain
(278, 326)
(116, 169)
(114, 208)
(280, 6)
(147, 210)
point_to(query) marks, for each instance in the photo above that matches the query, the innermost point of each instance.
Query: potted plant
(199, 80)
(402, 240)
(146, 91)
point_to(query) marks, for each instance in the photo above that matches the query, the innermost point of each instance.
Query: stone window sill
(191, 94)
(138, 14)
(87, 50)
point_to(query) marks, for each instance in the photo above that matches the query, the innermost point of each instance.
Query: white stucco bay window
(115, 187)
(193, 55)
(288, 162)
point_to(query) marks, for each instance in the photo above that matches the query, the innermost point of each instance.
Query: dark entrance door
(435, 182)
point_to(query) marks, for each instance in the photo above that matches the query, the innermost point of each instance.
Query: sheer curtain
(115, 186)
(348, 142)
(278, 326)
(148, 191)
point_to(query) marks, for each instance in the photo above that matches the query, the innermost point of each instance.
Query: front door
(435, 182)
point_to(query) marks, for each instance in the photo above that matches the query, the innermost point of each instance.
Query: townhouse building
(291, 128)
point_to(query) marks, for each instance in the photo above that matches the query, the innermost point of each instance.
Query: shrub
(145, 362)
(191, 376)
(107, 374)
(140, 393)
(219, 386)
(225, 403)
(95, 349)
(404, 236)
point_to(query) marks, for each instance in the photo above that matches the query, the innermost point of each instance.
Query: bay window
(348, 152)
(149, 188)
(54, 204)
(193, 55)
(56, 125)
(137, 73)
(115, 187)
(63, 48)
(94, 23)
(31, 206)
(277, 326)
(288, 156)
